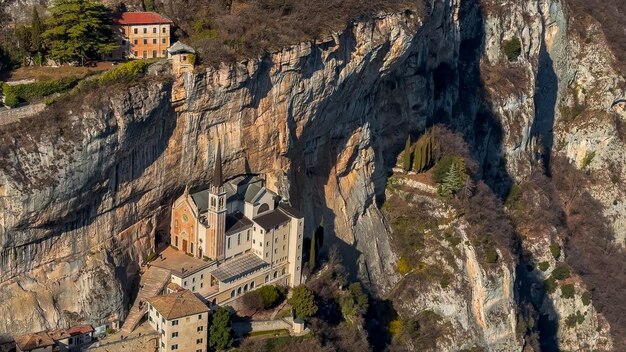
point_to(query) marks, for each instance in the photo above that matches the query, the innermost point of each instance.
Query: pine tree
(454, 179)
(36, 30)
(407, 155)
(78, 30)
(303, 302)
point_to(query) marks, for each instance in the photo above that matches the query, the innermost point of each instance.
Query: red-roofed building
(142, 35)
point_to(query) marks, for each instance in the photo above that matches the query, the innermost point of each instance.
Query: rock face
(80, 206)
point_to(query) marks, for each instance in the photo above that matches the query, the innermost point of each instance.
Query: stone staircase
(152, 282)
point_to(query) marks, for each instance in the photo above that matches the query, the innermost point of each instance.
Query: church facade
(244, 229)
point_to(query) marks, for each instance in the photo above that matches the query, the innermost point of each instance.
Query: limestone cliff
(80, 204)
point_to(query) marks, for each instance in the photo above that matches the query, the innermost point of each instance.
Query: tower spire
(217, 181)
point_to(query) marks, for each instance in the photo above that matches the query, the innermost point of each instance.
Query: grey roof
(252, 191)
(289, 210)
(231, 193)
(238, 267)
(237, 222)
(202, 200)
(271, 219)
(179, 48)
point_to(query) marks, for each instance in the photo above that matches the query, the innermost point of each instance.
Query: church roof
(289, 210)
(202, 200)
(237, 222)
(252, 191)
(271, 219)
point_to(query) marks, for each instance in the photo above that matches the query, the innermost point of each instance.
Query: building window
(135, 30)
(176, 242)
(135, 41)
(275, 250)
(193, 288)
(275, 240)
(198, 341)
(154, 30)
(174, 322)
(184, 283)
(228, 242)
(253, 241)
(199, 316)
(151, 308)
(201, 328)
(163, 40)
(145, 41)
(267, 278)
(201, 276)
(268, 243)
(158, 315)
(252, 285)
(174, 347)
(145, 54)
(154, 41)
(232, 293)
(145, 30)
(200, 350)
(267, 254)
(162, 344)
(164, 29)
(174, 334)
(283, 247)
(238, 239)
(191, 247)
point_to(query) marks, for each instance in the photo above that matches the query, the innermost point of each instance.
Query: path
(151, 284)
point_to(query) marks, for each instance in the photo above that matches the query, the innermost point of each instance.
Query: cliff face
(80, 206)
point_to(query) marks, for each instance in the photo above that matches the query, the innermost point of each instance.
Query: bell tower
(216, 233)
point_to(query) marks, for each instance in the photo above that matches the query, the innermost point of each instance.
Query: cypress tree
(407, 155)
(313, 252)
(36, 30)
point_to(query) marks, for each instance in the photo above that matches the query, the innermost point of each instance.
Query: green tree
(220, 332)
(353, 302)
(423, 152)
(78, 30)
(312, 252)
(454, 179)
(36, 31)
(406, 163)
(303, 302)
(269, 295)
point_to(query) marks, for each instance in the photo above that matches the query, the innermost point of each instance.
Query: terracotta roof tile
(141, 18)
(178, 304)
(32, 341)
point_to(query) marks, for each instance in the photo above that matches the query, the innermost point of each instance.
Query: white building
(182, 320)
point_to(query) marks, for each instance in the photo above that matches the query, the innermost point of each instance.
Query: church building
(244, 227)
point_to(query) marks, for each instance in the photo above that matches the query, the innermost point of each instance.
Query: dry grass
(55, 73)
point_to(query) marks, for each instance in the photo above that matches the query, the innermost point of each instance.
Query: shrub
(555, 249)
(586, 298)
(512, 48)
(550, 285)
(269, 295)
(403, 266)
(34, 91)
(123, 73)
(561, 272)
(110, 331)
(588, 159)
(220, 331)
(567, 291)
(543, 266)
(574, 319)
(442, 167)
(491, 256)
(253, 300)
(514, 196)
(151, 256)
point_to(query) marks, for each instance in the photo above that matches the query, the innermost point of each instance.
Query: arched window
(232, 293)
(238, 291)
(245, 288)
(275, 274)
(267, 278)
(263, 208)
(252, 285)
(284, 270)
